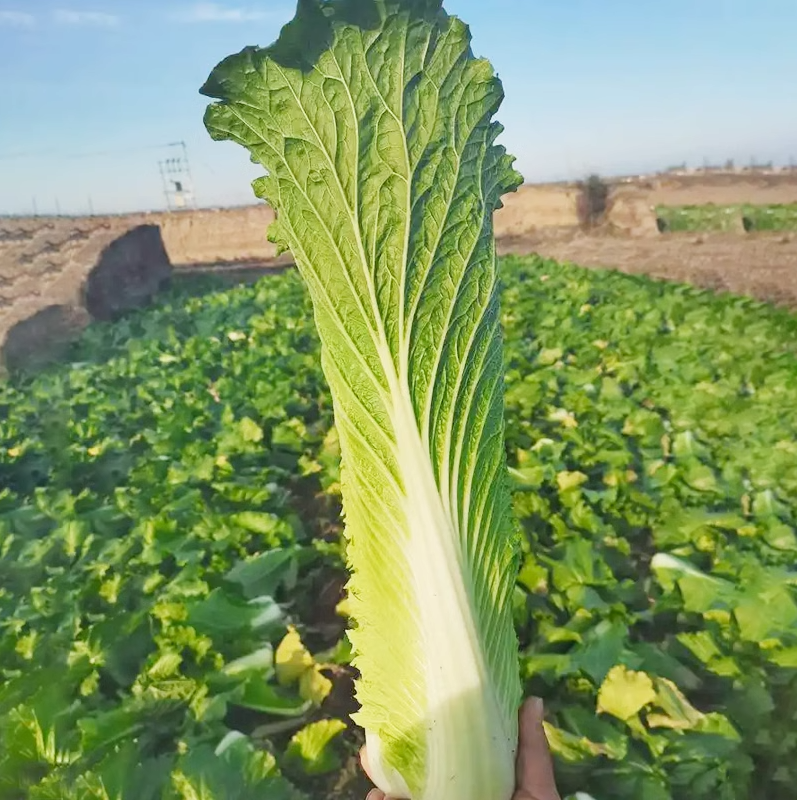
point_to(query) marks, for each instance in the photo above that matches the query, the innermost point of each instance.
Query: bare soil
(763, 266)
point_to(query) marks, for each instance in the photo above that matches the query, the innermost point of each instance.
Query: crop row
(710, 217)
(172, 609)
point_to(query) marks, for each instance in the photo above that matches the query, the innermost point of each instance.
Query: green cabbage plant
(374, 123)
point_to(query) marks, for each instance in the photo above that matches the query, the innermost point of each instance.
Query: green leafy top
(373, 121)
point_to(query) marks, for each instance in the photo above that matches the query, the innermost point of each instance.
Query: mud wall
(217, 236)
(238, 235)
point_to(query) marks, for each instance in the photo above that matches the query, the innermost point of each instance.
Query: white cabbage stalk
(373, 121)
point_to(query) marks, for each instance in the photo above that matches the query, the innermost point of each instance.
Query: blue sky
(93, 88)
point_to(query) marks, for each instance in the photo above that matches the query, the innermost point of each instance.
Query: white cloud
(214, 12)
(95, 18)
(17, 19)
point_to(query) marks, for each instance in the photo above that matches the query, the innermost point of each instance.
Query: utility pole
(177, 179)
(190, 175)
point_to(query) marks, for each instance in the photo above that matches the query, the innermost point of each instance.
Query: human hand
(535, 778)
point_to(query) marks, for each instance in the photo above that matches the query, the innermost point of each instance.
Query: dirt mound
(631, 215)
(131, 269)
(54, 277)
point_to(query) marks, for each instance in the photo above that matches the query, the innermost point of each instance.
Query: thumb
(535, 776)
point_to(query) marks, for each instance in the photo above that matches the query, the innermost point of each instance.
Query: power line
(93, 154)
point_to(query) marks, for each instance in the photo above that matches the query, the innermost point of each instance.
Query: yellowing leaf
(625, 693)
(678, 712)
(663, 721)
(570, 480)
(785, 658)
(611, 479)
(343, 608)
(26, 645)
(550, 356)
(292, 658)
(570, 747)
(109, 590)
(564, 417)
(90, 683)
(152, 583)
(295, 664)
(310, 748)
(250, 430)
(314, 686)
(309, 466)
(167, 665)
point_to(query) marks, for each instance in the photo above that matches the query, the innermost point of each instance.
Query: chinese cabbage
(373, 121)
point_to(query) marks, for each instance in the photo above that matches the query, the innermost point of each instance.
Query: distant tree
(593, 201)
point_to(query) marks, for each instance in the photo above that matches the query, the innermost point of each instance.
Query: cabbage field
(172, 610)
(749, 217)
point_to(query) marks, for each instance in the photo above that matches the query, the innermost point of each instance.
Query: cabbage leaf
(374, 123)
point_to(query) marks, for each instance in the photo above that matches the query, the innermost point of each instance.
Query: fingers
(535, 775)
(374, 794)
